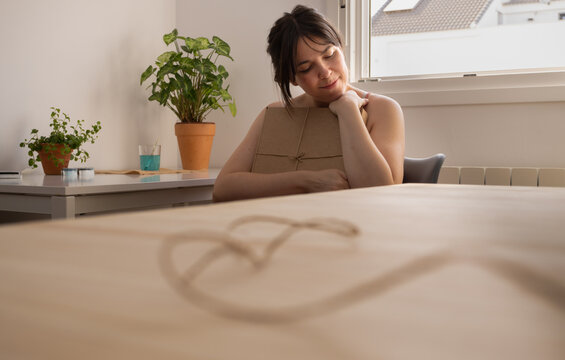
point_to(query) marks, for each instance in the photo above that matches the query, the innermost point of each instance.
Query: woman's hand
(347, 101)
(326, 180)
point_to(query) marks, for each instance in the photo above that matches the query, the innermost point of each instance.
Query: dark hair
(283, 39)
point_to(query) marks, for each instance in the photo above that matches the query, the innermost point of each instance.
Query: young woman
(306, 51)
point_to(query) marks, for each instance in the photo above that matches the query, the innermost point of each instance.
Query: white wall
(528, 134)
(86, 57)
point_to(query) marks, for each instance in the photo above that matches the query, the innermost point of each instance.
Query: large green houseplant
(189, 81)
(63, 144)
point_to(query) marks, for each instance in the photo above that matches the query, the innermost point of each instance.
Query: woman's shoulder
(376, 99)
(384, 111)
(381, 98)
(380, 103)
(276, 104)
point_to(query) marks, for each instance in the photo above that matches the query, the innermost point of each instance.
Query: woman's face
(320, 71)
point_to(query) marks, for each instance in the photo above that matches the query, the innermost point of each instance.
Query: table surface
(412, 271)
(54, 185)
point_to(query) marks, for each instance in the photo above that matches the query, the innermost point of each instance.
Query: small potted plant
(190, 83)
(63, 144)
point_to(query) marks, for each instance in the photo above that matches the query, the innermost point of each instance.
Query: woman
(306, 51)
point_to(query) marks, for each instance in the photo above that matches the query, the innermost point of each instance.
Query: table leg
(62, 207)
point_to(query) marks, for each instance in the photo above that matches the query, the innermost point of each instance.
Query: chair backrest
(422, 170)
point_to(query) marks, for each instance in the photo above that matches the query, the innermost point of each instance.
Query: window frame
(533, 85)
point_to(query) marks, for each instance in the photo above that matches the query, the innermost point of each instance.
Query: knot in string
(228, 244)
(299, 157)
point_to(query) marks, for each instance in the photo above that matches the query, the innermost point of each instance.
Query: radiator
(518, 176)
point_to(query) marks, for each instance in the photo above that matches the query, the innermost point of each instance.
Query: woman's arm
(236, 181)
(373, 154)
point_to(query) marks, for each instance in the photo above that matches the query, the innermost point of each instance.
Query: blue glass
(149, 162)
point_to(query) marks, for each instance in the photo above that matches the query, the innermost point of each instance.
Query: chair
(422, 170)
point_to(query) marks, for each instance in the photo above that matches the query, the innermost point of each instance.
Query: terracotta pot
(49, 166)
(195, 144)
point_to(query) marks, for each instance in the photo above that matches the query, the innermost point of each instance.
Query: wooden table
(434, 272)
(51, 194)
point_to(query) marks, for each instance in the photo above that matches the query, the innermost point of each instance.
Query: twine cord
(549, 290)
(302, 156)
(299, 155)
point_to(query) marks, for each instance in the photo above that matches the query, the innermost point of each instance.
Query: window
(400, 5)
(519, 70)
(434, 38)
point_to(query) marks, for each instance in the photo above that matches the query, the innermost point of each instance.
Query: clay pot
(49, 166)
(195, 144)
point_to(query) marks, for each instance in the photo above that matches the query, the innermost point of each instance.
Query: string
(550, 291)
(298, 156)
(301, 156)
(227, 244)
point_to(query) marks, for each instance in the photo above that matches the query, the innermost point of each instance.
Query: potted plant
(190, 83)
(63, 144)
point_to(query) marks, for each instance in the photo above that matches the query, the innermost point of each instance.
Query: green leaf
(225, 95)
(146, 74)
(214, 104)
(166, 70)
(222, 71)
(209, 66)
(191, 44)
(199, 66)
(187, 65)
(188, 90)
(221, 47)
(197, 44)
(203, 43)
(233, 109)
(164, 97)
(173, 84)
(164, 57)
(170, 37)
